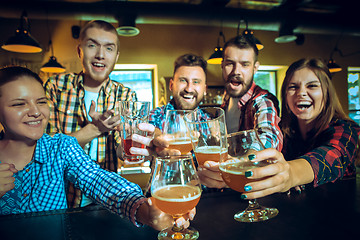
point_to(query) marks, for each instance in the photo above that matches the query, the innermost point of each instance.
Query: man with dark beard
(188, 87)
(246, 105)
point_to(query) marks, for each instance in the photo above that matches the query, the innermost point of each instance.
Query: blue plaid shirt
(58, 159)
(157, 115)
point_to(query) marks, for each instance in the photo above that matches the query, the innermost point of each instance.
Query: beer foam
(209, 149)
(175, 194)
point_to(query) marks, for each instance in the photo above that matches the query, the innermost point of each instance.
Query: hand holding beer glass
(132, 114)
(176, 132)
(208, 134)
(175, 190)
(234, 170)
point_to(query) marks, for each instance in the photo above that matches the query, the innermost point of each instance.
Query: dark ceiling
(305, 16)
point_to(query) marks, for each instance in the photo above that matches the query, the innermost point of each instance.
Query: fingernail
(247, 188)
(252, 156)
(191, 216)
(243, 196)
(248, 173)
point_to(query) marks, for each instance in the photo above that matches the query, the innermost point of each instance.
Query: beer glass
(132, 114)
(241, 145)
(176, 132)
(208, 134)
(175, 190)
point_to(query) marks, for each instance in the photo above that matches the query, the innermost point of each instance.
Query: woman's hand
(6, 177)
(150, 215)
(277, 175)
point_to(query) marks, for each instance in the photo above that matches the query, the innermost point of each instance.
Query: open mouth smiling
(303, 105)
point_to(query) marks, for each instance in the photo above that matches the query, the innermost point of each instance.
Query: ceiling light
(22, 42)
(333, 66)
(217, 56)
(250, 33)
(52, 66)
(127, 26)
(286, 34)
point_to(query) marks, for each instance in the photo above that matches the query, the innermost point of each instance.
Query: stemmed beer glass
(240, 146)
(176, 189)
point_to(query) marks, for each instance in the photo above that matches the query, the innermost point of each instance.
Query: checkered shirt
(65, 93)
(259, 109)
(59, 159)
(333, 156)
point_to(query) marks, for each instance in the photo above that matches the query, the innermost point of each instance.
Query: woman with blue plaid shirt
(320, 141)
(34, 166)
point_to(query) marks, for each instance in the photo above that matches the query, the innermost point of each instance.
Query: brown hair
(12, 73)
(242, 42)
(100, 24)
(190, 60)
(331, 104)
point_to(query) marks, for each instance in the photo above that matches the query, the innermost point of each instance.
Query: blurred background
(154, 33)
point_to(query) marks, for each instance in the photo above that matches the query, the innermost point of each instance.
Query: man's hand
(150, 215)
(103, 122)
(6, 177)
(154, 142)
(209, 175)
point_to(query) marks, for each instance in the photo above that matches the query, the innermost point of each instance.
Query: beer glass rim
(222, 115)
(243, 131)
(173, 158)
(146, 102)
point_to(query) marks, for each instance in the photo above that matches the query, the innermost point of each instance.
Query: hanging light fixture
(52, 66)
(286, 33)
(127, 25)
(333, 66)
(217, 56)
(250, 34)
(22, 42)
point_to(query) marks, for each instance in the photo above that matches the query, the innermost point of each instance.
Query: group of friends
(59, 147)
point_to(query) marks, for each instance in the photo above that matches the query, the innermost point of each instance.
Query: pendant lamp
(52, 66)
(217, 56)
(22, 41)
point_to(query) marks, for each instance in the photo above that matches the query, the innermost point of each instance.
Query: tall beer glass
(176, 132)
(208, 134)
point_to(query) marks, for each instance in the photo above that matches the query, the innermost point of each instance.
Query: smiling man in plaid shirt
(84, 105)
(246, 105)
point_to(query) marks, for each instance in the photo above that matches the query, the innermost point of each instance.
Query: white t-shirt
(88, 97)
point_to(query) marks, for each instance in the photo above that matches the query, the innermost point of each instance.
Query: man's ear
(256, 66)
(171, 84)
(117, 56)
(78, 50)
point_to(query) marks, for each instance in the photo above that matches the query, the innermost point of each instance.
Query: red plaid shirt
(65, 93)
(334, 152)
(259, 109)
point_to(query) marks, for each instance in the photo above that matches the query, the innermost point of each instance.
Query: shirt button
(25, 195)
(27, 170)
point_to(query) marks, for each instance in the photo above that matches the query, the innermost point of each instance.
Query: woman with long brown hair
(320, 141)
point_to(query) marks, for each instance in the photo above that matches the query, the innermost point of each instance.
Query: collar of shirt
(106, 87)
(247, 96)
